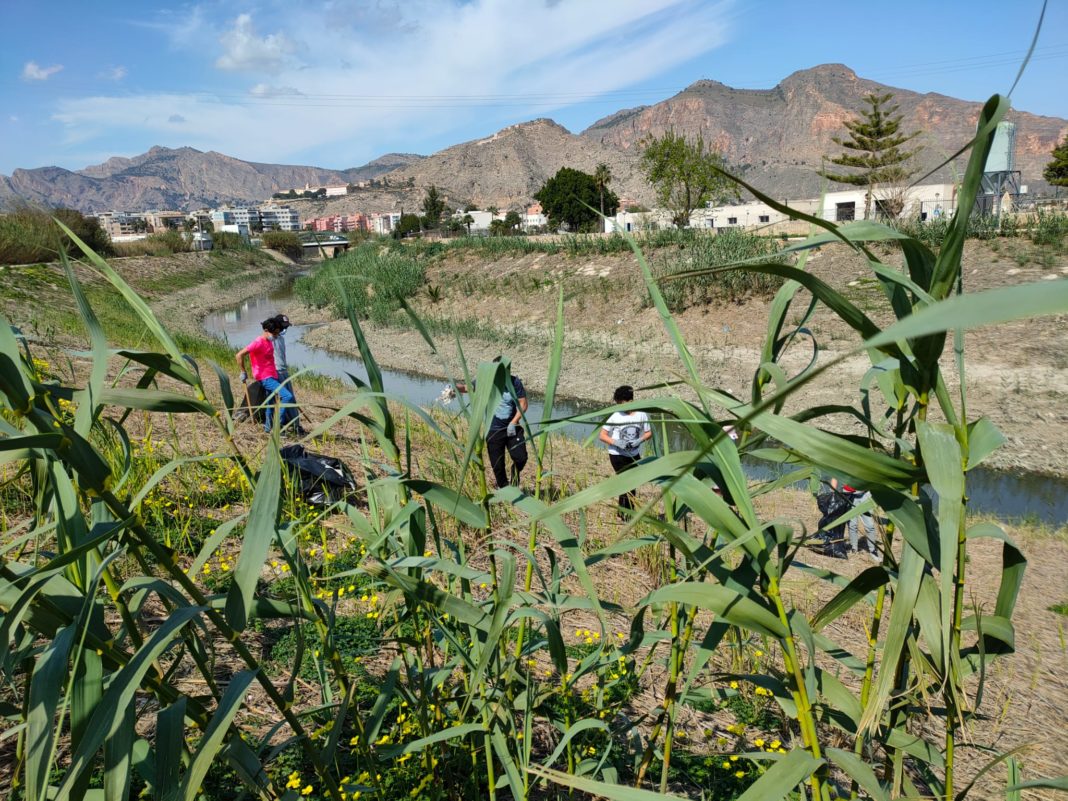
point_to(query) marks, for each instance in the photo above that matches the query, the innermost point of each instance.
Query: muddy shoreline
(640, 353)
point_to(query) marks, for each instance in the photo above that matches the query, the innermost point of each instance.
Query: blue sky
(337, 83)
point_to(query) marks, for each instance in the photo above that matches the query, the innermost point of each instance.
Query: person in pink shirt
(260, 354)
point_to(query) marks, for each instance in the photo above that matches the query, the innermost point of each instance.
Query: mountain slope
(508, 167)
(779, 136)
(181, 178)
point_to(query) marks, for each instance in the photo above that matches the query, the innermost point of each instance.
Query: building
(122, 223)
(164, 220)
(480, 220)
(250, 218)
(358, 222)
(637, 221)
(383, 222)
(534, 217)
(279, 218)
(240, 229)
(264, 218)
(200, 218)
(924, 202)
(336, 191)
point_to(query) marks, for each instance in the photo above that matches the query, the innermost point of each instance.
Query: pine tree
(875, 138)
(1056, 171)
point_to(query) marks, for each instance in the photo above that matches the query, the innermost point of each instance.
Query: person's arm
(521, 409)
(606, 437)
(241, 361)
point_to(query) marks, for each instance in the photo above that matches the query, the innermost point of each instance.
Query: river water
(1007, 495)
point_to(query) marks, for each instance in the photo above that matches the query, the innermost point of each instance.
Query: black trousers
(621, 464)
(497, 442)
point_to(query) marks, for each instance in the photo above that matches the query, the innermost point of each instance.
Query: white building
(240, 229)
(281, 218)
(250, 218)
(632, 222)
(336, 191)
(924, 201)
(383, 222)
(267, 218)
(480, 219)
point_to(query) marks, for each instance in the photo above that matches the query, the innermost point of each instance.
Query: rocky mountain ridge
(773, 138)
(779, 136)
(176, 178)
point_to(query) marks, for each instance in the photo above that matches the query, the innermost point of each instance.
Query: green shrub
(163, 243)
(29, 235)
(228, 240)
(285, 242)
(374, 278)
(697, 252)
(1048, 227)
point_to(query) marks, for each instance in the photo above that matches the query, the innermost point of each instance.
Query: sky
(337, 83)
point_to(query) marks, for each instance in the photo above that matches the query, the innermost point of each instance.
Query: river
(1008, 496)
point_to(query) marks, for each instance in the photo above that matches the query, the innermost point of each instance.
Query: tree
(433, 207)
(875, 141)
(686, 175)
(285, 242)
(468, 220)
(1056, 171)
(602, 176)
(512, 221)
(570, 197)
(408, 224)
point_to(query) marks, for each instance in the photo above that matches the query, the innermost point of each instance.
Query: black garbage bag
(321, 480)
(250, 403)
(831, 540)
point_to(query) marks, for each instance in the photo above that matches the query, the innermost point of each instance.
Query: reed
(502, 670)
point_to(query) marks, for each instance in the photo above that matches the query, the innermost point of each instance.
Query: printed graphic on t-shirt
(628, 433)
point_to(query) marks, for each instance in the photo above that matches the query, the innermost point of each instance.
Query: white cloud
(176, 118)
(245, 51)
(417, 70)
(265, 90)
(184, 27)
(32, 72)
(115, 73)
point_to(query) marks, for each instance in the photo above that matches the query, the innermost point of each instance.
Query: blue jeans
(275, 389)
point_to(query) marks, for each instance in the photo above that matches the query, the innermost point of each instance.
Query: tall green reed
(483, 692)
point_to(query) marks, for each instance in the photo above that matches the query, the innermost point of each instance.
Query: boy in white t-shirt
(624, 433)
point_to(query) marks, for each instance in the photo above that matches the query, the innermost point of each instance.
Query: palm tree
(602, 177)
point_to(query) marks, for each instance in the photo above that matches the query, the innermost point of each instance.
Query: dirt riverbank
(1017, 373)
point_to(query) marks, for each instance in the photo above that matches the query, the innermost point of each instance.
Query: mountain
(181, 178)
(775, 138)
(778, 136)
(507, 168)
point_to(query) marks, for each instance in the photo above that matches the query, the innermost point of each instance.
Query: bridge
(331, 246)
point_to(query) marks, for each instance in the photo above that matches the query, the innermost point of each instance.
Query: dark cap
(282, 321)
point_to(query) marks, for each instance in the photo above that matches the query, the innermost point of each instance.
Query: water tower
(1001, 179)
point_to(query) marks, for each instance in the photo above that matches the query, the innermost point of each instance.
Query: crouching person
(260, 354)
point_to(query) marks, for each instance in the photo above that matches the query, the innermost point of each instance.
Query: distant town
(928, 201)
